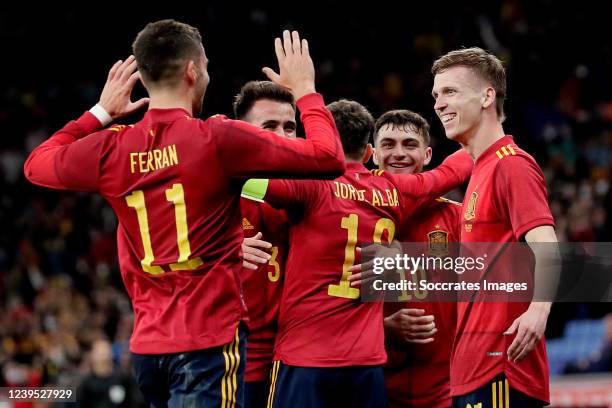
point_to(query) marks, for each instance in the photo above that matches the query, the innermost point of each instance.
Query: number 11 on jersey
(176, 196)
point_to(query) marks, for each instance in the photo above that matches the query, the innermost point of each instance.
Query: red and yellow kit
(506, 198)
(263, 287)
(418, 375)
(174, 182)
(322, 322)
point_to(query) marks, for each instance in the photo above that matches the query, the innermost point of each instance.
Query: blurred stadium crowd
(60, 289)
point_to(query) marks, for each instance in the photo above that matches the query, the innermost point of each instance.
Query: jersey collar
(165, 115)
(356, 167)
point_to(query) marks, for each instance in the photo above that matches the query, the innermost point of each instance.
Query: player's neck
(170, 99)
(483, 138)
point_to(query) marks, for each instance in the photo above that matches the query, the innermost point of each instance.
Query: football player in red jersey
(418, 335)
(499, 355)
(271, 107)
(329, 348)
(174, 184)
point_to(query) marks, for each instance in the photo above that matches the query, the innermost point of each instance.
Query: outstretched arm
(40, 167)
(421, 188)
(263, 154)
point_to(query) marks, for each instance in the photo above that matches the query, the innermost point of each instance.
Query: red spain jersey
(262, 287)
(418, 375)
(506, 198)
(322, 321)
(174, 182)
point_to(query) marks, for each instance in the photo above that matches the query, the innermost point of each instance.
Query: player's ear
(489, 97)
(375, 156)
(428, 154)
(191, 72)
(368, 153)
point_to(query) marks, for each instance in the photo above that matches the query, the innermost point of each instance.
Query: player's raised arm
(40, 167)
(296, 70)
(265, 154)
(116, 94)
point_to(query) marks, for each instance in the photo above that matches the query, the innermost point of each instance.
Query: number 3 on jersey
(273, 262)
(351, 224)
(176, 196)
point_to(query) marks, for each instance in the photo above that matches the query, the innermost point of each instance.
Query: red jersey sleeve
(291, 193)
(246, 151)
(67, 160)
(420, 188)
(520, 195)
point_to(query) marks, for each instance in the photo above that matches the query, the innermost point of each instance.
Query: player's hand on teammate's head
(252, 257)
(296, 70)
(117, 92)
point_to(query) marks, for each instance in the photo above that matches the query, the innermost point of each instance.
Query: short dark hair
(487, 66)
(355, 125)
(404, 119)
(254, 91)
(163, 47)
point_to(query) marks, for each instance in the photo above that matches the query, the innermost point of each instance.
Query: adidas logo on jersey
(246, 225)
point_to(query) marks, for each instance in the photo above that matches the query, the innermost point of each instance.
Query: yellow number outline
(274, 263)
(418, 293)
(176, 196)
(351, 224)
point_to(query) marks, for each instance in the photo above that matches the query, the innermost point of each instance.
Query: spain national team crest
(438, 243)
(470, 212)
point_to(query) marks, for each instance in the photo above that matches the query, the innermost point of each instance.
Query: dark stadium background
(59, 284)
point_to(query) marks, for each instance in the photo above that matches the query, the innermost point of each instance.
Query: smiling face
(460, 97)
(401, 149)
